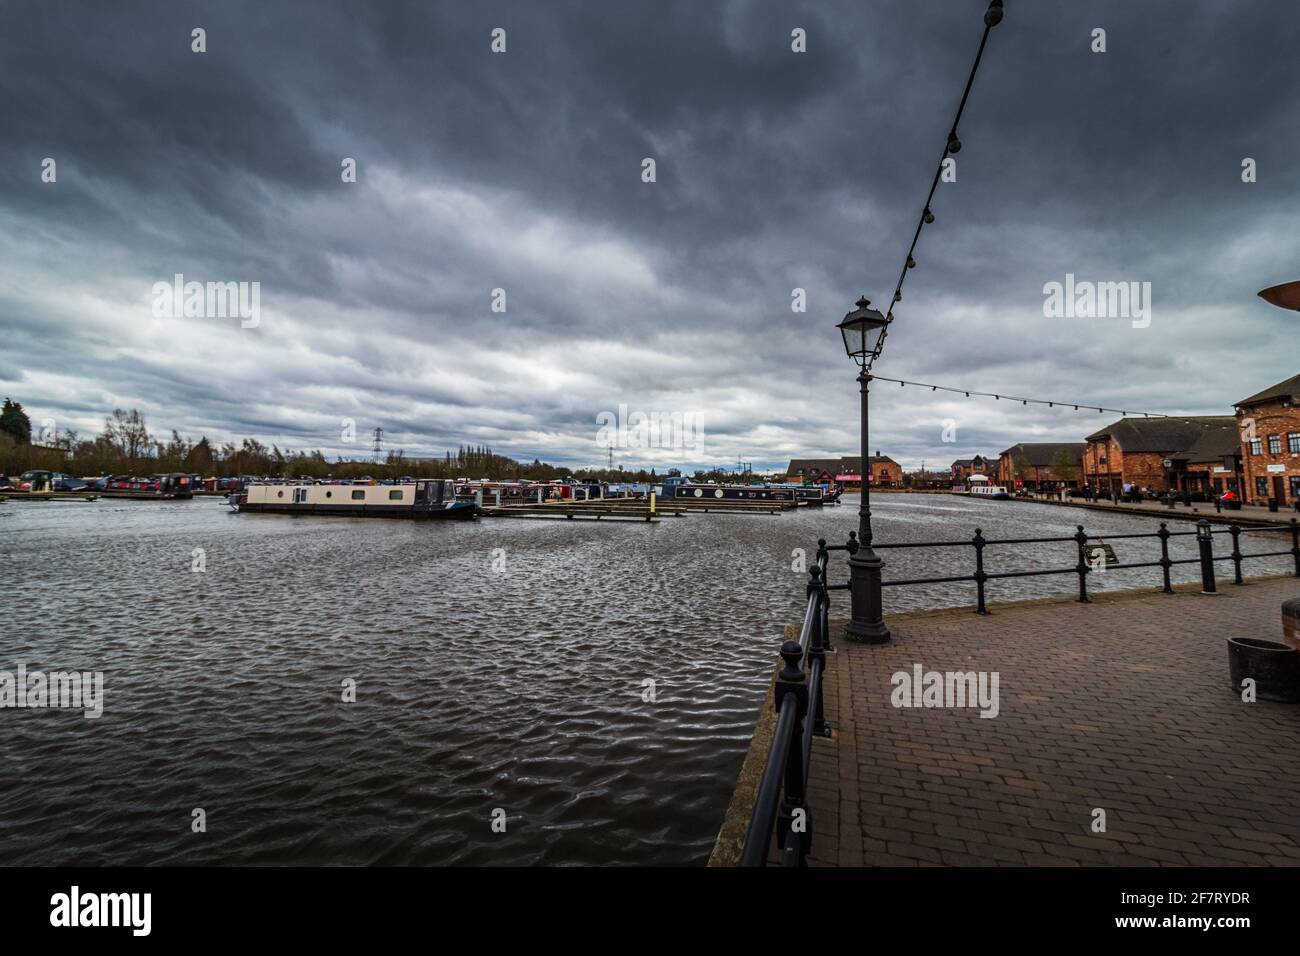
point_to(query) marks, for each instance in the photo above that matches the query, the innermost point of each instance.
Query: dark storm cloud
(522, 172)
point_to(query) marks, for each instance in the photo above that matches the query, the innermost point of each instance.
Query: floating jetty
(48, 496)
(631, 509)
(606, 509)
(725, 506)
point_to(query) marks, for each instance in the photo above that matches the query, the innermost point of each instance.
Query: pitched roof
(1044, 454)
(1289, 388)
(1214, 444)
(846, 464)
(1163, 435)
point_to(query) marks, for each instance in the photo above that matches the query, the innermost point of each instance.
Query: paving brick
(1121, 704)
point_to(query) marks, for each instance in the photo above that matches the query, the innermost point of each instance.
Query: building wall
(1103, 464)
(886, 473)
(1145, 469)
(1277, 419)
(1033, 476)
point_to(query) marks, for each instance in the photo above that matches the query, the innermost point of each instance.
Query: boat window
(359, 495)
(395, 495)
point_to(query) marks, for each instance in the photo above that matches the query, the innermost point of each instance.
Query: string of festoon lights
(1054, 403)
(992, 17)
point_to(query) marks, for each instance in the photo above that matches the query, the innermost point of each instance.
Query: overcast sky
(522, 171)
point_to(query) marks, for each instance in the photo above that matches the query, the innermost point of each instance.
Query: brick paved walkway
(1122, 704)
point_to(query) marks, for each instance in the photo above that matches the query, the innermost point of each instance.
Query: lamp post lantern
(864, 331)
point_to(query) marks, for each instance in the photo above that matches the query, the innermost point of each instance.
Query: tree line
(126, 447)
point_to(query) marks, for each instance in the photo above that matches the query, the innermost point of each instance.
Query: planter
(1291, 623)
(1274, 667)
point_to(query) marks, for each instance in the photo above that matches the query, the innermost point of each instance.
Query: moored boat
(422, 499)
(683, 488)
(168, 486)
(981, 487)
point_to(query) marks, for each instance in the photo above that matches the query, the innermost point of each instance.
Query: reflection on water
(520, 690)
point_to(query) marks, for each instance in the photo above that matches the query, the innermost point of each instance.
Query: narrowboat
(980, 487)
(38, 480)
(525, 491)
(175, 485)
(677, 487)
(421, 499)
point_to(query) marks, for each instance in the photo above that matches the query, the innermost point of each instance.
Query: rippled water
(478, 690)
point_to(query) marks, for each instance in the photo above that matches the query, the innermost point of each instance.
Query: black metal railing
(780, 806)
(1088, 547)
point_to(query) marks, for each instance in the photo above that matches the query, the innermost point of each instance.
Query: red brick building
(1193, 455)
(846, 471)
(1269, 429)
(963, 468)
(1035, 464)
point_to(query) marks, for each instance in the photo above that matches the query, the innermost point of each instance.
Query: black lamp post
(863, 330)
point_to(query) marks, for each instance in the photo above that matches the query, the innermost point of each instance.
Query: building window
(1274, 444)
(1293, 442)
(1256, 446)
(1261, 486)
(1295, 486)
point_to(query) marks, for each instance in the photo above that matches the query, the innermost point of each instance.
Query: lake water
(499, 665)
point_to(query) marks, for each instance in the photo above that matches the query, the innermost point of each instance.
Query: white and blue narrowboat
(981, 487)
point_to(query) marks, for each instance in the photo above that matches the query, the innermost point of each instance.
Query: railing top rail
(758, 839)
(1063, 539)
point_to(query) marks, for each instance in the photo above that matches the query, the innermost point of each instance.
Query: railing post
(823, 560)
(980, 576)
(1295, 544)
(1235, 531)
(817, 649)
(1082, 567)
(1205, 540)
(1164, 557)
(792, 680)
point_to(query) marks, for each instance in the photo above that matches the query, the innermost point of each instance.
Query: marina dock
(631, 509)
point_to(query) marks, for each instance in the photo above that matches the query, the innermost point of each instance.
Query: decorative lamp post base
(867, 625)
